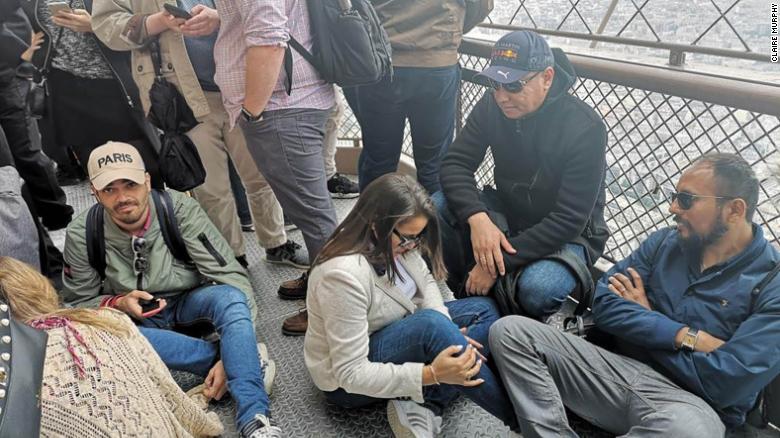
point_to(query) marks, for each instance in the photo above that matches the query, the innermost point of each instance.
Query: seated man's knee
(510, 332)
(485, 308)
(685, 421)
(541, 292)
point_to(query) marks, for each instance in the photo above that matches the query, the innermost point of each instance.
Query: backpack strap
(761, 285)
(168, 225)
(584, 289)
(288, 60)
(96, 243)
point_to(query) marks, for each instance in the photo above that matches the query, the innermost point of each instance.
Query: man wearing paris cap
(141, 270)
(543, 223)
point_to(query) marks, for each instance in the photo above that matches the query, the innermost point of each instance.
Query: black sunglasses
(140, 262)
(407, 242)
(685, 200)
(513, 87)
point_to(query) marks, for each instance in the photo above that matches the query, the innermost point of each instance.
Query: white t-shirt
(407, 285)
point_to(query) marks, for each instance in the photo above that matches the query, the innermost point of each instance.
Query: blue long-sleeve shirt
(716, 301)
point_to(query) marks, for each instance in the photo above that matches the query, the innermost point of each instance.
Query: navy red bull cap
(516, 54)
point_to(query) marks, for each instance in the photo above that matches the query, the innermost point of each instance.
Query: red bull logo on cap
(509, 54)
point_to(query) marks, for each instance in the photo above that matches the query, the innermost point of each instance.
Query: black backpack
(349, 48)
(767, 409)
(96, 244)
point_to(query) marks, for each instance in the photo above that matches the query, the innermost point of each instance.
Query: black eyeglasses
(513, 87)
(685, 200)
(140, 262)
(408, 242)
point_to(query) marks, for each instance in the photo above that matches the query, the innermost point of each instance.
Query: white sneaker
(411, 420)
(260, 427)
(268, 366)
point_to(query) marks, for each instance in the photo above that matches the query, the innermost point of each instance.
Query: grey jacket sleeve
(209, 250)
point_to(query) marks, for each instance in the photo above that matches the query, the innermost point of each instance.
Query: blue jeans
(420, 337)
(543, 285)
(225, 306)
(428, 98)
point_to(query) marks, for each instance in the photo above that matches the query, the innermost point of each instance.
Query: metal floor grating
(297, 406)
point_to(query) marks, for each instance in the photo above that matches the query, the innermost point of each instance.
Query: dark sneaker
(294, 289)
(248, 228)
(297, 324)
(342, 187)
(242, 261)
(287, 254)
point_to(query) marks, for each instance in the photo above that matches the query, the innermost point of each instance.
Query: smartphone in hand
(177, 11)
(55, 7)
(149, 307)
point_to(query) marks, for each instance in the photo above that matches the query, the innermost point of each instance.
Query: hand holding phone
(177, 11)
(149, 307)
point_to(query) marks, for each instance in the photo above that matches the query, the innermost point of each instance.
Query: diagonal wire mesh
(652, 139)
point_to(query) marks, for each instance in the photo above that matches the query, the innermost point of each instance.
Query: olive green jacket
(214, 261)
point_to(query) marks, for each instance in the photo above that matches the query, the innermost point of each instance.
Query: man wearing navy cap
(543, 224)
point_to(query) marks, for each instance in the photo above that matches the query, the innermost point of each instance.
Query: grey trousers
(216, 141)
(544, 370)
(287, 148)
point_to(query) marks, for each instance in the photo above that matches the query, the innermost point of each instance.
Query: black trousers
(24, 145)
(86, 113)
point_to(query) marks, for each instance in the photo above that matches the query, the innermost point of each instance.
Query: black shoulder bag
(766, 412)
(180, 165)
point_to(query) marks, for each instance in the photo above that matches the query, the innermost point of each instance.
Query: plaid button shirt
(249, 23)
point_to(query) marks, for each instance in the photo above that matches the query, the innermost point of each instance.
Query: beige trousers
(215, 142)
(332, 135)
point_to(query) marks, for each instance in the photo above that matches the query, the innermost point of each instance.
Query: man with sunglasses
(544, 220)
(693, 311)
(144, 279)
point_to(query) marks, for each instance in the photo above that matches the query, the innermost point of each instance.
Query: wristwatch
(689, 339)
(249, 117)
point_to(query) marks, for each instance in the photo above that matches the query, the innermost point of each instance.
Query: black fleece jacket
(15, 34)
(549, 171)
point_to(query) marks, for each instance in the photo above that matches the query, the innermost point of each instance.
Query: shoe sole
(287, 263)
(399, 430)
(291, 333)
(290, 297)
(269, 374)
(344, 195)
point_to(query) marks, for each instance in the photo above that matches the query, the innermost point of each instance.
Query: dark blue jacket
(716, 301)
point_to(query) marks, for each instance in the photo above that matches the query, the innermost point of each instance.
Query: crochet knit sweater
(129, 393)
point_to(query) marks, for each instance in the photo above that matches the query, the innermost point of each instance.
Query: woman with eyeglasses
(378, 326)
(101, 377)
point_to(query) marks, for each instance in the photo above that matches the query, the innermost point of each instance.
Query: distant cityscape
(672, 21)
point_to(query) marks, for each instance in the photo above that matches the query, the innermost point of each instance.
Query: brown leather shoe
(296, 325)
(294, 289)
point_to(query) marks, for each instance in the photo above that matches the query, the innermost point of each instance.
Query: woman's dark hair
(387, 202)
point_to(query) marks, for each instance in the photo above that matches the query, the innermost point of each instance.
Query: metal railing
(659, 120)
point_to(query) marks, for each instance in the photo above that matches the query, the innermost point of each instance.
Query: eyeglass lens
(684, 200)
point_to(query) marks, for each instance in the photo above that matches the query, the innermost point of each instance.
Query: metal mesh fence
(652, 138)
